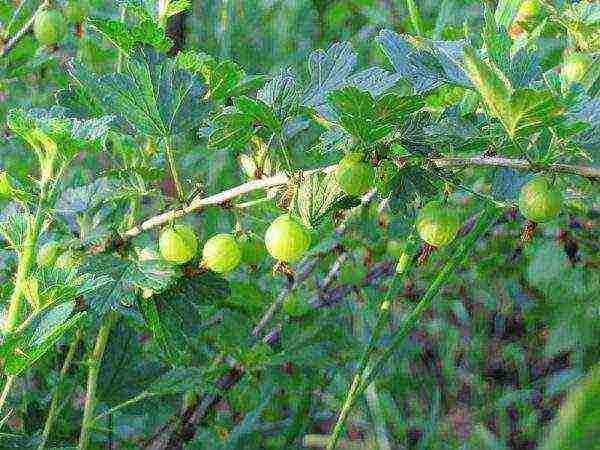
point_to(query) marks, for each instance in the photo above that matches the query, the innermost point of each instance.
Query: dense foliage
(286, 224)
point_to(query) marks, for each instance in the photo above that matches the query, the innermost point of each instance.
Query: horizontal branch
(8, 46)
(199, 202)
(517, 164)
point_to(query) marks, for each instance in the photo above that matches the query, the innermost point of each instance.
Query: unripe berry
(252, 248)
(354, 176)
(539, 200)
(529, 9)
(575, 67)
(178, 244)
(221, 253)
(69, 260)
(49, 27)
(47, 254)
(76, 11)
(437, 224)
(395, 248)
(286, 239)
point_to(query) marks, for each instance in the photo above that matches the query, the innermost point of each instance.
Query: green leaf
(14, 229)
(281, 94)
(531, 111)
(423, 63)
(260, 113)
(126, 277)
(410, 184)
(126, 38)
(506, 11)
(67, 135)
(152, 94)
(177, 381)
(231, 130)
(368, 119)
(180, 309)
(328, 71)
(37, 336)
(521, 112)
(222, 79)
(315, 198)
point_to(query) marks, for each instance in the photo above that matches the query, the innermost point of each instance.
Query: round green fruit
(540, 201)
(354, 177)
(47, 254)
(252, 248)
(529, 9)
(286, 239)
(178, 244)
(49, 27)
(575, 67)
(221, 253)
(76, 11)
(395, 248)
(437, 224)
(69, 260)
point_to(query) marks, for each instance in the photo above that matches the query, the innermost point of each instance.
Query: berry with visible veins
(69, 260)
(48, 254)
(287, 239)
(178, 244)
(221, 253)
(529, 9)
(354, 176)
(575, 67)
(395, 248)
(76, 11)
(252, 248)
(437, 224)
(540, 201)
(49, 27)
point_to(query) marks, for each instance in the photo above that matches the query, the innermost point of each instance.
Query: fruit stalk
(53, 411)
(485, 221)
(94, 363)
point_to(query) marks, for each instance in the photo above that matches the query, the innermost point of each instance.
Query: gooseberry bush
(206, 246)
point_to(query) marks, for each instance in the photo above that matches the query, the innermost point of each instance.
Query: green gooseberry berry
(49, 27)
(48, 254)
(221, 253)
(540, 201)
(287, 239)
(437, 224)
(575, 67)
(354, 176)
(178, 244)
(252, 248)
